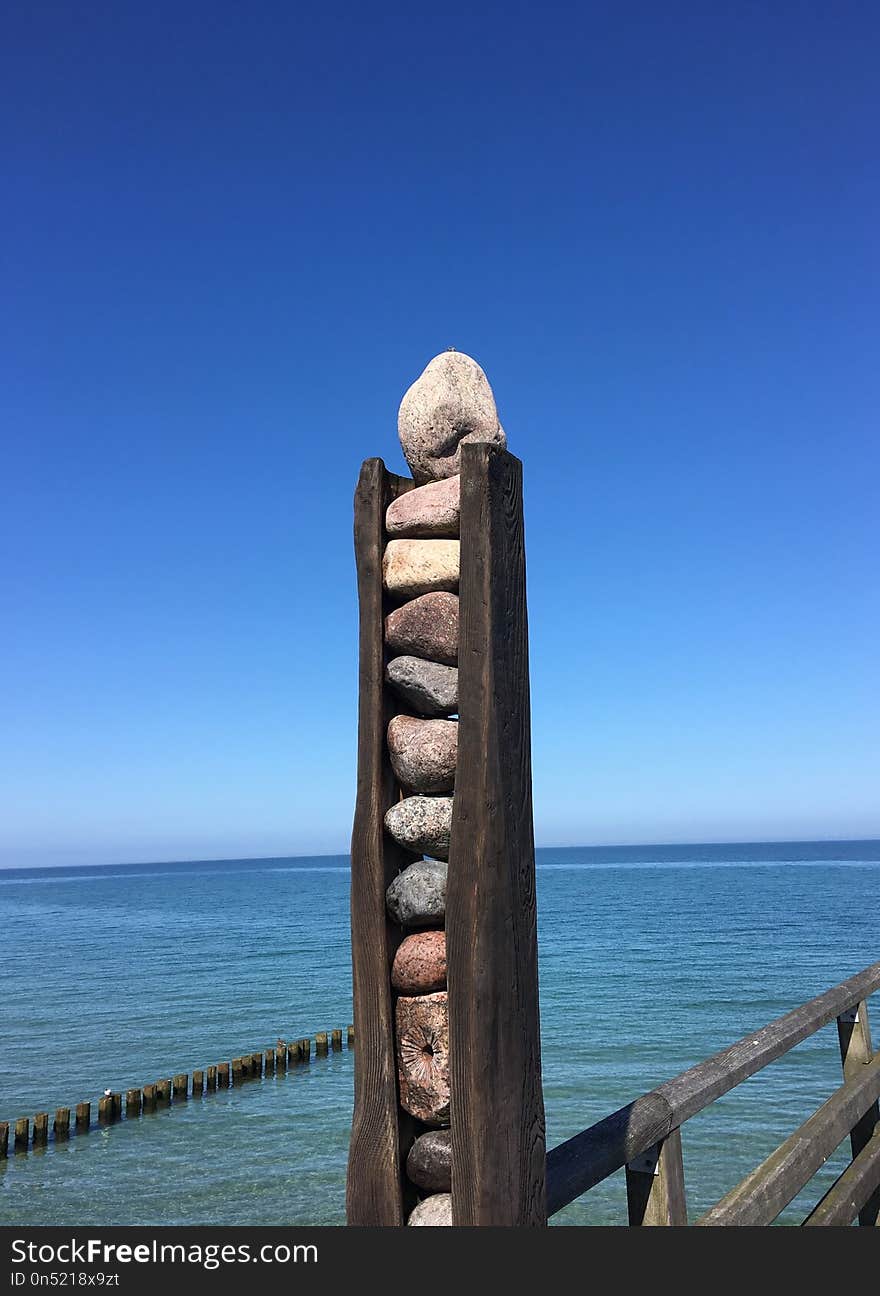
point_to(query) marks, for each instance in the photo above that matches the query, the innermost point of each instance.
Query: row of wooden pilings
(250, 1066)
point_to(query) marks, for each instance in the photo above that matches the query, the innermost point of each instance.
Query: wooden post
(83, 1117)
(116, 1100)
(497, 1105)
(61, 1124)
(281, 1052)
(163, 1092)
(223, 1075)
(181, 1084)
(350, 1040)
(293, 1054)
(655, 1185)
(305, 1050)
(336, 1041)
(4, 1140)
(105, 1109)
(22, 1134)
(149, 1098)
(381, 1131)
(237, 1070)
(854, 1036)
(211, 1082)
(321, 1044)
(198, 1084)
(41, 1129)
(257, 1065)
(133, 1099)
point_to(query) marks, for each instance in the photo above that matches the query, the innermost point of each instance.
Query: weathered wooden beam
(497, 1107)
(847, 1197)
(22, 1133)
(854, 1036)
(41, 1129)
(133, 1103)
(769, 1188)
(61, 1124)
(4, 1140)
(375, 1185)
(581, 1162)
(655, 1185)
(83, 1117)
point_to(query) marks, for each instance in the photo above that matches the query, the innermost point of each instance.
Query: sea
(651, 958)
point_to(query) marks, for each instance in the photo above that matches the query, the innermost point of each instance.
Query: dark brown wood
(163, 1092)
(211, 1079)
(237, 1070)
(41, 1129)
(854, 1035)
(655, 1185)
(223, 1075)
(181, 1085)
(198, 1084)
(105, 1110)
(22, 1134)
(321, 1044)
(849, 1195)
(293, 1053)
(4, 1140)
(376, 1193)
(61, 1124)
(769, 1188)
(83, 1117)
(497, 1107)
(133, 1103)
(116, 1101)
(576, 1166)
(280, 1056)
(305, 1050)
(336, 1041)
(149, 1098)
(350, 1040)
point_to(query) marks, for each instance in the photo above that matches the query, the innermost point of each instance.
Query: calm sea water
(651, 959)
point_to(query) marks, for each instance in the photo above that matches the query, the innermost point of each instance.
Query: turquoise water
(651, 959)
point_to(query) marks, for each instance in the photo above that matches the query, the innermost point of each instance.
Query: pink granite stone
(423, 752)
(420, 964)
(426, 626)
(423, 1056)
(428, 512)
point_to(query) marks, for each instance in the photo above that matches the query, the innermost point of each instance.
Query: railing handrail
(581, 1162)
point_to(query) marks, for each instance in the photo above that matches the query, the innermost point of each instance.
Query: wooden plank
(854, 1036)
(497, 1107)
(769, 1188)
(655, 1185)
(581, 1162)
(848, 1196)
(375, 1190)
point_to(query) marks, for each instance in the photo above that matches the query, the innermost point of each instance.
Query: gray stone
(414, 567)
(423, 753)
(428, 511)
(429, 1164)
(434, 1212)
(450, 403)
(422, 824)
(425, 627)
(427, 687)
(417, 896)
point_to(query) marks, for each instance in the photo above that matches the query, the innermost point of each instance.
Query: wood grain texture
(376, 1193)
(655, 1191)
(849, 1195)
(497, 1107)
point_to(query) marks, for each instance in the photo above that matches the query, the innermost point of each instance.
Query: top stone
(449, 404)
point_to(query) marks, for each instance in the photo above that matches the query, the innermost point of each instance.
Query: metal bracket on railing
(850, 1017)
(647, 1163)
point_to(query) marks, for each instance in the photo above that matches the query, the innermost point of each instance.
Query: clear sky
(234, 234)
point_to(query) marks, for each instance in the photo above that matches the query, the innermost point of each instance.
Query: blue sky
(233, 235)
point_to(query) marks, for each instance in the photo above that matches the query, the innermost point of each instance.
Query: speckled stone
(450, 403)
(414, 567)
(435, 1212)
(429, 1164)
(422, 824)
(428, 511)
(419, 965)
(417, 896)
(422, 1028)
(423, 753)
(426, 627)
(425, 686)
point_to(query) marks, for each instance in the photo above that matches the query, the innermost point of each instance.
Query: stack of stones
(449, 404)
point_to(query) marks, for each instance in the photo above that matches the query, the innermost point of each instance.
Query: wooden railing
(644, 1138)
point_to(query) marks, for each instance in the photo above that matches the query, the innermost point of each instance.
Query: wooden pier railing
(281, 1057)
(644, 1138)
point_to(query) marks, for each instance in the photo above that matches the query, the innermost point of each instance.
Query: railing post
(655, 1185)
(854, 1035)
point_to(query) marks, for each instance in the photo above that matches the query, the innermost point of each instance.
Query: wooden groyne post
(495, 1128)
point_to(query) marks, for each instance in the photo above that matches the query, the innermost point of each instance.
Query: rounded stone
(423, 752)
(417, 896)
(422, 1032)
(422, 824)
(450, 403)
(414, 567)
(426, 686)
(435, 1212)
(419, 965)
(428, 511)
(429, 1164)
(426, 627)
